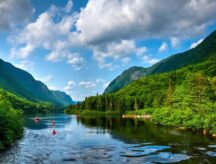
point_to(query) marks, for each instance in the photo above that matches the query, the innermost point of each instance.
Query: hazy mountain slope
(23, 84)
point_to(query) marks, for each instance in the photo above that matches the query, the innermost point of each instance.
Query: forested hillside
(25, 105)
(24, 85)
(174, 62)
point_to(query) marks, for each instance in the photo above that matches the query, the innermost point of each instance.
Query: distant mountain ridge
(126, 77)
(174, 62)
(24, 85)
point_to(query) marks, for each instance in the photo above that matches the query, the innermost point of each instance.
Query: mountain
(126, 77)
(23, 84)
(174, 62)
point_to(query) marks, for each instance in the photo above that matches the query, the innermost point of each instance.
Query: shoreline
(145, 117)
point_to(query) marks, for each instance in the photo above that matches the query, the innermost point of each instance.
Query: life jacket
(53, 123)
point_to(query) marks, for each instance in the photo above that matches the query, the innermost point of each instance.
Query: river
(107, 140)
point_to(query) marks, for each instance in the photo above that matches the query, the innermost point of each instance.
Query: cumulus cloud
(86, 87)
(23, 52)
(71, 83)
(126, 60)
(69, 86)
(13, 12)
(175, 42)
(69, 6)
(99, 80)
(109, 29)
(149, 60)
(47, 78)
(44, 33)
(125, 19)
(118, 51)
(87, 84)
(193, 45)
(163, 47)
(76, 61)
(92, 84)
(47, 33)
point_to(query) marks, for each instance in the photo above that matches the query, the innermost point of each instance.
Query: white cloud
(76, 61)
(69, 86)
(115, 50)
(125, 19)
(25, 65)
(175, 42)
(99, 80)
(118, 51)
(109, 29)
(13, 12)
(71, 83)
(47, 78)
(44, 33)
(53, 87)
(193, 45)
(92, 84)
(69, 6)
(163, 47)
(149, 60)
(47, 33)
(126, 60)
(23, 52)
(141, 51)
(86, 88)
(87, 84)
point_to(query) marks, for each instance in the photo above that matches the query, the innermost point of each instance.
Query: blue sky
(80, 46)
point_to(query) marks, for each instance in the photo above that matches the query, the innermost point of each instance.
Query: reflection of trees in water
(136, 131)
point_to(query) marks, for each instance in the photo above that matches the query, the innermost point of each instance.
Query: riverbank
(186, 119)
(181, 119)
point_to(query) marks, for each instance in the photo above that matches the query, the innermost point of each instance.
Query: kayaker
(54, 132)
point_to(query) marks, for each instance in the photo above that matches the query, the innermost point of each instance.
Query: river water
(107, 140)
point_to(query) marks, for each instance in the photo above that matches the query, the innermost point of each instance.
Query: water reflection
(107, 140)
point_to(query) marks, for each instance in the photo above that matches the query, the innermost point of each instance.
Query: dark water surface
(107, 140)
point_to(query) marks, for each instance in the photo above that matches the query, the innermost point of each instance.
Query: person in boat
(54, 132)
(36, 119)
